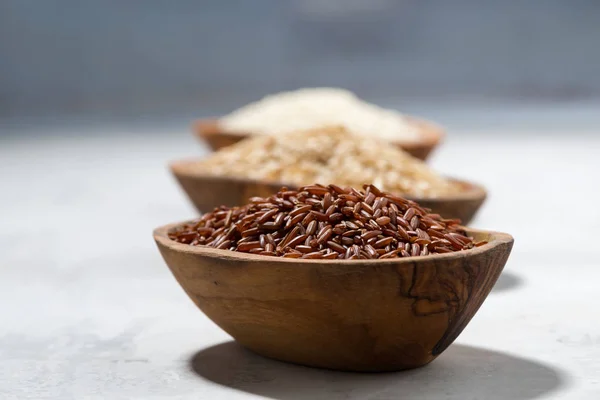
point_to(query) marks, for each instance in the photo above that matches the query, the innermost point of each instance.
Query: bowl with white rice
(313, 108)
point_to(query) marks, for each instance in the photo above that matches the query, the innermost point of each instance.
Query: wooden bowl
(209, 191)
(353, 315)
(209, 131)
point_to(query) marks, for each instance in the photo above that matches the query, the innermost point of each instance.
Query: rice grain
(308, 232)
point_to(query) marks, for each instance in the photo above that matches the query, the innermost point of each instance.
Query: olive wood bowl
(353, 315)
(209, 131)
(208, 191)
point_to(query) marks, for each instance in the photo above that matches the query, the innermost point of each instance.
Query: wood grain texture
(209, 131)
(208, 191)
(463, 206)
(360, 315)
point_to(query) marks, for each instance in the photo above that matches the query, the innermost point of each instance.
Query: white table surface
(88, 310)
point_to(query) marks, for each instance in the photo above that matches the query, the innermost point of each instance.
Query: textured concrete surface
(89, 311)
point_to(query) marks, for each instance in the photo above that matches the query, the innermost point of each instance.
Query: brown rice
(327, 222)
(328, 155)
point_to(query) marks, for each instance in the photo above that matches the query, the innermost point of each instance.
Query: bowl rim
(430, 133)
(474, 191)
(161, 237)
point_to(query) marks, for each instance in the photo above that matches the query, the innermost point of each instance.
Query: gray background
(132, 58)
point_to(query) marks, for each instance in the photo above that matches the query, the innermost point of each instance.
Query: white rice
(313, 108)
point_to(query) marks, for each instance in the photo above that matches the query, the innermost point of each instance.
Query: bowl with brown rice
(339, 278)
(261, 165)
